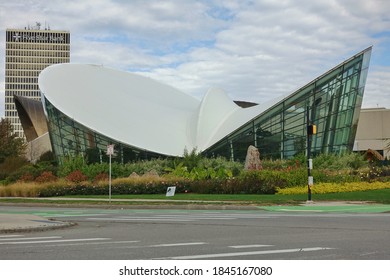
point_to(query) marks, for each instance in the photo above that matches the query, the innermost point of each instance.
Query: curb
(11, 223)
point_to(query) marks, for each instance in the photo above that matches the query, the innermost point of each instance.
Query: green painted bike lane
(348, 208)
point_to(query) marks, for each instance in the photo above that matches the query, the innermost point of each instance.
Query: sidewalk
(25, 222)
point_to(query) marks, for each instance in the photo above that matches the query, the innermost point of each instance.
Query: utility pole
(110, 152)
(311, 130)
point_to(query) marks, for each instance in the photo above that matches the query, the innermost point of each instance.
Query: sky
(255, 50)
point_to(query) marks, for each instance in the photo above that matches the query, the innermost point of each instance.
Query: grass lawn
(375, 196)
(378, 196)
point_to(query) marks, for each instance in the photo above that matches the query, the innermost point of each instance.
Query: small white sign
(110, 150)
(171, 191)
(311, 181)
(310, 164)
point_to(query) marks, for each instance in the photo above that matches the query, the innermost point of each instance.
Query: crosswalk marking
(109, 244)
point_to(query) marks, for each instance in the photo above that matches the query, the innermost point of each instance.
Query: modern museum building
(89, 107)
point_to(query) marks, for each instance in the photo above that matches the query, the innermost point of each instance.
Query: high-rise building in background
(28, 52)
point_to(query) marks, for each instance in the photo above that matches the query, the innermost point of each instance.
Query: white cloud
(255, 50)
(377, 90)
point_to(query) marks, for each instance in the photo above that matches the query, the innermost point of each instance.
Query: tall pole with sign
(311, 130)
(110, 152)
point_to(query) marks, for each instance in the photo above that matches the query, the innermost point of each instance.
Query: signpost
(110, 152)
(311, 130)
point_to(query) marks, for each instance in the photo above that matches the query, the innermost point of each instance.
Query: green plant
(70, 164)
(11, 146)
(191, 159)
(352, 161)
(10, 167)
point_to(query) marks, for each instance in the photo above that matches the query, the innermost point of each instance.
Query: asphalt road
(132, 234)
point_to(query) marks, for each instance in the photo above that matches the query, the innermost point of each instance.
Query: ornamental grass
(322, 188)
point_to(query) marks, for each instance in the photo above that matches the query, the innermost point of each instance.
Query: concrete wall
(373, 131)
(38, 147)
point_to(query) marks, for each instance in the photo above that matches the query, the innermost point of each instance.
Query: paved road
(200, 234)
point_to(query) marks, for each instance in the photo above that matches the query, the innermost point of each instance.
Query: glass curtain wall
(333, 100)
(69, 138)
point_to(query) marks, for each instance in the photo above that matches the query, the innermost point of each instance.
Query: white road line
(250, 246)
(91, 243)
(194, 216)
(139, 219)
(225, 255)
(8, 236)
(210, 218)
(52, 241)
(302, 210)
(30, 238)
(215, 217)
(180, 217)
(73, 215)
(178, 244)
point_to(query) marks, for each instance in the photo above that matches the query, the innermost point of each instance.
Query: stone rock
(134, 175)
(151, 173)
(252, 160)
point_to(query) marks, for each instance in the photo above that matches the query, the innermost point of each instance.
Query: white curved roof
(139, 111)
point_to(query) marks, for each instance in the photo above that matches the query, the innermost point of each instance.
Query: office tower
(28, 52)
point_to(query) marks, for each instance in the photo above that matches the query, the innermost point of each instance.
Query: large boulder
(252, 161)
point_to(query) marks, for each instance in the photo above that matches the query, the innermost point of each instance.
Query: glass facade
(333, 102)
(69, 138)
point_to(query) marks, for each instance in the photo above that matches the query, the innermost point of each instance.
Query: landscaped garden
(197, 177)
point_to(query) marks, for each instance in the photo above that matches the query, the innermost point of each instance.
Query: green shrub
(140, 185)
(92, 170)
(248, 182)
(260, 182)
(70, 164)
(10, 167)
(352, 161)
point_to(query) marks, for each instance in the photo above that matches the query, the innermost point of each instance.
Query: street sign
(310, 181)
(171, 191)
(110, 149)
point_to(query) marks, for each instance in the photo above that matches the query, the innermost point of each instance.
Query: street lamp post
(311, 129)
(110, 152)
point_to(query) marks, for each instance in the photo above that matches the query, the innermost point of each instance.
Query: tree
(10, 144)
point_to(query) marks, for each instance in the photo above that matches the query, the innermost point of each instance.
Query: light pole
(309, 160)
(311, 130)
(110, 152)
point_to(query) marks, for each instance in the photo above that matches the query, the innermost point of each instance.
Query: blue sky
(254, 50)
